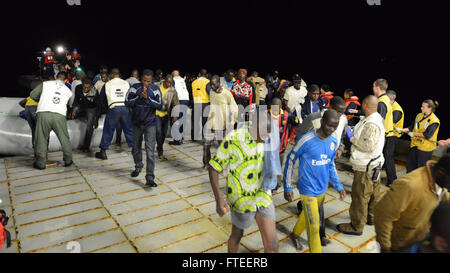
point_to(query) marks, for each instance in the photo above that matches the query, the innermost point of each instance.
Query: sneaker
(151, 184)
(136, 172)
(101, 155)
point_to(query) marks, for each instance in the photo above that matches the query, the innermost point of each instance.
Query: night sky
(346, 44)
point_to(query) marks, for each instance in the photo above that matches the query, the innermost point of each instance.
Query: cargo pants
(47, 122)
(365, 195)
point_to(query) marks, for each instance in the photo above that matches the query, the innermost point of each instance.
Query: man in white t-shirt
(53, 97)
(295, 96)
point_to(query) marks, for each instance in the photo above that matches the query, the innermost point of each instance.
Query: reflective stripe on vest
(420, 126)
(388, 121)
(199, 90)
(401, 122)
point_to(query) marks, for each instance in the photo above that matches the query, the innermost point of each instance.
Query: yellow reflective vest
(31, 102)
(388, 120)
(420, 126)
(199, 90)
(401, 122)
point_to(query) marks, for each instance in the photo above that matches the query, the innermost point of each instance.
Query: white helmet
(48, 49)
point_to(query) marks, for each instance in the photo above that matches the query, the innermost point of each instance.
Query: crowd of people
(245, 114)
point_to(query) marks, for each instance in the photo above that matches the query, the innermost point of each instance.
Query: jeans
(149, 134)
(118, 134)
(90, 114)
(31, 117)
(113, 117)
(162, 126)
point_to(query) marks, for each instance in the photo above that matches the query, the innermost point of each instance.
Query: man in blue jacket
(144, 99)
(313, 102)
(316, 152)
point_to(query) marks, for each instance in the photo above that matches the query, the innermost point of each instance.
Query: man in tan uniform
(367, 160)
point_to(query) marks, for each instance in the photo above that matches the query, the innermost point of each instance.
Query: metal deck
(97, 205)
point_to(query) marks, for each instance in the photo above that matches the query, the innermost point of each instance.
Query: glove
(411, 134)
(350, 134)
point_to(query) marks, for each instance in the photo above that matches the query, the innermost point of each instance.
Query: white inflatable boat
(15, 133)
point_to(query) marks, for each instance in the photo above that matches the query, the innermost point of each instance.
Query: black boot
(176, 142)
(68, 164)
(101, 155)
(38, 167)
(136, 172)
(151, 184)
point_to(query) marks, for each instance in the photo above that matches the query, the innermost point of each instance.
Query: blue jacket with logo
(143, 111)
(316, 165)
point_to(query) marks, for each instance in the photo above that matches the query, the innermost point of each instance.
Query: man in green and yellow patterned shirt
(241, 157)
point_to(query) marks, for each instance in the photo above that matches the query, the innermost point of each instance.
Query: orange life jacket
(5, 236)
(49, 58)
(76, 57)
(347, 103)
(328, 96)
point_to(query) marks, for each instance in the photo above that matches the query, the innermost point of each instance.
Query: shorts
(244, 221)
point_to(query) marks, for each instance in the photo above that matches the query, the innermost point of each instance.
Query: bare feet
(324, 241)
(296, 242)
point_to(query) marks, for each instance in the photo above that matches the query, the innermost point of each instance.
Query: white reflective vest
(116, 91)
(180, 86)
(54, 98)
(360, 158)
